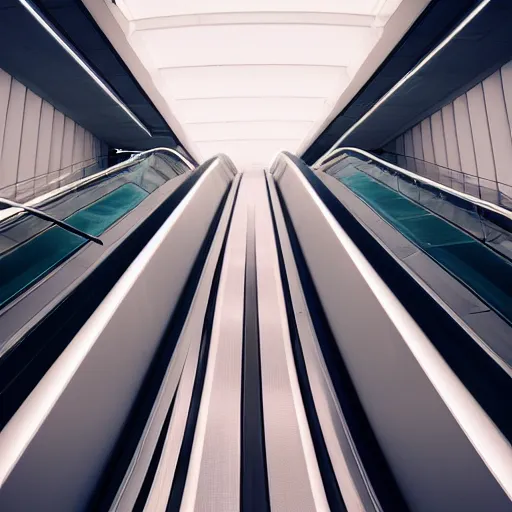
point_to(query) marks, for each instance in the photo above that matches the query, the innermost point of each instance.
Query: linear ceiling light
(411, 73)
(71, 51)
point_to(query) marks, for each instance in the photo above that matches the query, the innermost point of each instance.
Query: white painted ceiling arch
(250, 78)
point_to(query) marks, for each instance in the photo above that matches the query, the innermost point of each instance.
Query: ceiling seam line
(240, 23)
(251, 65)
(253, 121)
(208, 98)
(247, 140)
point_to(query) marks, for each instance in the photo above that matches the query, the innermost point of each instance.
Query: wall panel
(29, 137)
(87, 145)
(57, 140)
(409, 149)
(97, 148)
(67, 143)
(417, 142)
(36, 141)
(5, 92)
(472, 134)
(506, 78)
(499, 127)
(12, 135)
(438, 140)
(78, 146)
(450, 137)
(45, 139)
(426, 138)
(400, 149)
(480, 130)
(464, 135)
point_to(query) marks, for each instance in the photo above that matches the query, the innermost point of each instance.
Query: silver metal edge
(331, 417)
(221, 396)
(130, 487)
(294, 478)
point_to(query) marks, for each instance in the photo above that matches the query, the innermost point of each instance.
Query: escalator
(258, 341)
(450, 236)
(52, 279)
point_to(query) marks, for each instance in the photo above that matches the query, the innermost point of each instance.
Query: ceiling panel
(249, 155)
(256, 130)
(156, 8)
(249, 109)
(249, 78)
(249, 81)
(321, 45)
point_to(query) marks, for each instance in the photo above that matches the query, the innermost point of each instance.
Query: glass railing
(492, 191)
(24, 191)
(484, 220)
(453, 231)
(31, 246)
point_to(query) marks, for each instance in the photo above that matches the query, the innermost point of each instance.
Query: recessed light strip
(411, 73)
(70, 51)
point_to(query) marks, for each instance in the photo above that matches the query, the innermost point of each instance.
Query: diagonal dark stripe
(180, 474)
(253, 482)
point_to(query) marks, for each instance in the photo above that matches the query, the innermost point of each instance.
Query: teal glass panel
(30, 261)
(485, 272)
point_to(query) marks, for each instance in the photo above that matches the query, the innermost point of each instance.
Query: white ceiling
(250, 78)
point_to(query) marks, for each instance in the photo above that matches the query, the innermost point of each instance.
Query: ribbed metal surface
(213, 479)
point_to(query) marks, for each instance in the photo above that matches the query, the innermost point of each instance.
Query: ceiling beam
(251, 121)
(234, 65)
(253, 18)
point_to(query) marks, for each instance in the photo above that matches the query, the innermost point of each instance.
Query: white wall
(37, 141)
(472, 134)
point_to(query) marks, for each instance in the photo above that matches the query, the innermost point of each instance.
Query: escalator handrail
(9, 212)
(461, 195)
(50, 218)
(187, 162)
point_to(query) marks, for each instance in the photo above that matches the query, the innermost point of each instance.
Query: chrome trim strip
(191, 336)
(337, 436)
